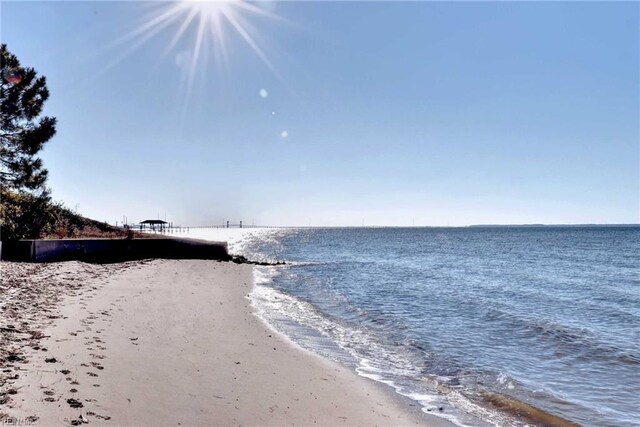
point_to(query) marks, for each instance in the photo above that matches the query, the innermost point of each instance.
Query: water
(466, 319)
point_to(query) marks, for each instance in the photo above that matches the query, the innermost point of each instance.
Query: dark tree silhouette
(22, 132)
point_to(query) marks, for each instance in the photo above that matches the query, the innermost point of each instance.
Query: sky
(339, 113)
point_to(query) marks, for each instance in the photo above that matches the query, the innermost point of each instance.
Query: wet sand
(166, 342)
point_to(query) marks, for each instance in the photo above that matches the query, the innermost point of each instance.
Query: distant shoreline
(551, 225)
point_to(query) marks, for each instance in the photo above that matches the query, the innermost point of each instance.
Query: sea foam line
(270, 303)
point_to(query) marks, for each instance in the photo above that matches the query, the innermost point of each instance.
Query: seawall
(112, 250)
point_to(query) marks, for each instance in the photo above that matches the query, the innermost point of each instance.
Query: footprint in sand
(74, 403)
(92, 374)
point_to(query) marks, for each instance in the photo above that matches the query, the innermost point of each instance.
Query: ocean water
(477, 325)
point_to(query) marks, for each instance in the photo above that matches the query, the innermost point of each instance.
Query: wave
(421, 377)
(439, 336)
(580, 342)
(304, 263)
(278, 308)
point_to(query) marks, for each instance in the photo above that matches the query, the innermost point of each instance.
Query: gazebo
(152, 224)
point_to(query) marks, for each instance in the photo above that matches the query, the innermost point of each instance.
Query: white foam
(264, 274)
(271, 304)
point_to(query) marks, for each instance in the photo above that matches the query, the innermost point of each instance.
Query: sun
(213, 17)
(209, 9)
(209, 24)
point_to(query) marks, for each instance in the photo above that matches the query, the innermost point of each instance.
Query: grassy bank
(27, 216)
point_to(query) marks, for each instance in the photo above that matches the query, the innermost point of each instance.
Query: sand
(166, 342)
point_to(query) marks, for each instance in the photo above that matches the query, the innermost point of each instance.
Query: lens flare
(12, 76)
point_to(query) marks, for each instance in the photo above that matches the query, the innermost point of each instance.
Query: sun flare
(209, 25)
(212, 18)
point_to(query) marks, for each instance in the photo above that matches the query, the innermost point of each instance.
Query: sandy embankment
(175, 343)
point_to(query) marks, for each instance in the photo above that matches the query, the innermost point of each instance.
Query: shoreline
(168, 342)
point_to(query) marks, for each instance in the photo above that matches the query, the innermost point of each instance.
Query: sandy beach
(166, 343)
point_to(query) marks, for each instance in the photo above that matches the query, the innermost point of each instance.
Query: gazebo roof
(153, 221)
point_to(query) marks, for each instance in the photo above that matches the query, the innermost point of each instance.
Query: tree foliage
(26, 209)
(23, 132)
(25, 215)
(25, 206)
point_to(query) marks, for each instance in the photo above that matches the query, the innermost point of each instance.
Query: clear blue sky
(395, 112)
